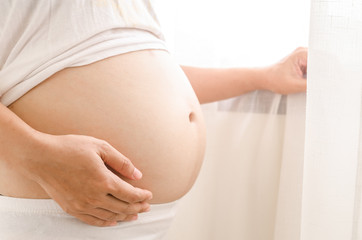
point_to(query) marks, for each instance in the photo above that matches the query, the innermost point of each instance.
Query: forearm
(16, 137)
(285, 77)
(214, 84)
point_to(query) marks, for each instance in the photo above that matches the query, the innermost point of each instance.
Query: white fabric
(43, 219)
(40, 37)
(331, 206)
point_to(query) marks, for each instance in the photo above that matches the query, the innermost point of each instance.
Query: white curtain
(258, 181)
(331, 205)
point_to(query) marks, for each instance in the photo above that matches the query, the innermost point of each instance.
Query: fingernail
(137, 174)
(134, 218)
(113, 224)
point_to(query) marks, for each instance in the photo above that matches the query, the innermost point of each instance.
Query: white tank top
(41, 37)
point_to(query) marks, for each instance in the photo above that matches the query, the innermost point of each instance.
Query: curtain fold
(289, 204)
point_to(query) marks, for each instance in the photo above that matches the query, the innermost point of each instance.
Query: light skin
(106, 198)
(284, 77)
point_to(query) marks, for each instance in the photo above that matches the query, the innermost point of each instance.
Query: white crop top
(41, 37)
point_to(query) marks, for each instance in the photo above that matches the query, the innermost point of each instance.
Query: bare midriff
(139, 102)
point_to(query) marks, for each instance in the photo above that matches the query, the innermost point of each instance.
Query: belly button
(192, 117)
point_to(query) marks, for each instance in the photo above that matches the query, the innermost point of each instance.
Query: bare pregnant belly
(140, 102)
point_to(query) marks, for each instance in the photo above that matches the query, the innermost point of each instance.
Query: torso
(140, 102)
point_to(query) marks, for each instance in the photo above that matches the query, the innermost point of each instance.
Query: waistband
(24, 205)
(43, 219)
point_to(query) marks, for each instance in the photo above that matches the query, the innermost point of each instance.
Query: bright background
(233, 32)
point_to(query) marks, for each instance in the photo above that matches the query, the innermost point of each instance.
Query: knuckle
(88, 139)
(92, 202)
(135, 197)
(80, 206)
(301, 49)
(126, 164)
(104, 145)
(109, 185)
(103, 148)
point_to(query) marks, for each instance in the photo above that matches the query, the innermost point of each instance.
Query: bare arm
(87, 190)
(214, 84)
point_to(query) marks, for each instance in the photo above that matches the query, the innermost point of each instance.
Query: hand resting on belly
(151, 117)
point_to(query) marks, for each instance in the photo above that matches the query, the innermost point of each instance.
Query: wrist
(260, 78)
(249, 79)
(27, 151)
(264, 79)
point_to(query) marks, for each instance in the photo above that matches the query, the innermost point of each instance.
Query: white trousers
(43, 219)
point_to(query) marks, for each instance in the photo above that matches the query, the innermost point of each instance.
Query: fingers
(303, 50)
(94, 221)
(302, 59)
(299, 57)
(115, 185)
(111, 217)
(105, 217)
(302, 62)
(119, 162)
(106, 210)
(126, 192)
(114, 205)
(297, 83)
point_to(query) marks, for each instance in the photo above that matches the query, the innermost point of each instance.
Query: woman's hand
(72, 169)
(288, 75)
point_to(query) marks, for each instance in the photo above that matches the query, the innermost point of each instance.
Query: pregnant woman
(98, 123)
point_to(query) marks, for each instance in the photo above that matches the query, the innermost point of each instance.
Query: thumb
(119, 163)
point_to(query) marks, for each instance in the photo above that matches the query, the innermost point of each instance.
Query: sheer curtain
(332, 183)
